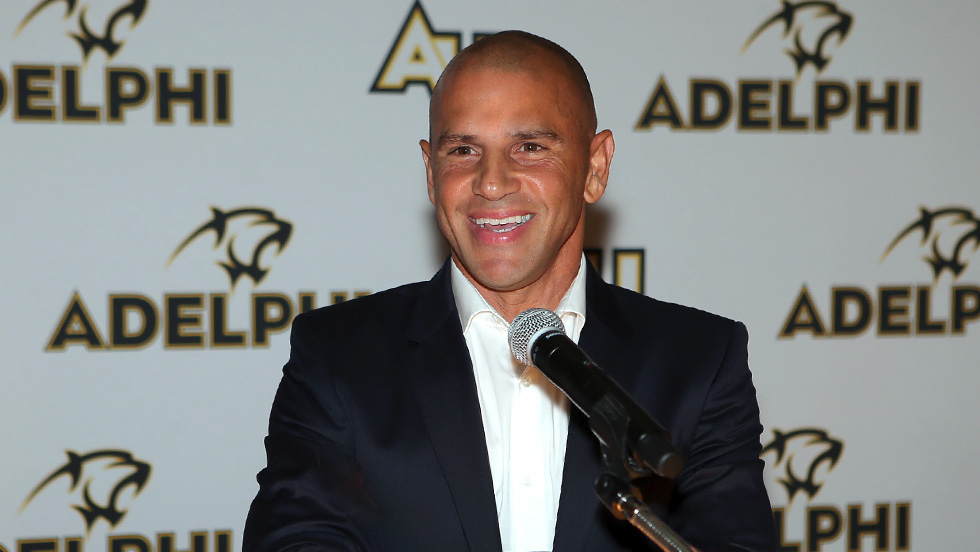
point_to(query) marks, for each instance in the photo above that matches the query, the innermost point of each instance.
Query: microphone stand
(610, 422)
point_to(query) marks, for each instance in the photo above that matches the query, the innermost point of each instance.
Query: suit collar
(435, 304)
(440, 376)
(603, 306)
(610, 340)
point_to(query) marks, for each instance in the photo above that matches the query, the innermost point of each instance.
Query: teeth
(517, 219)
(510, 222)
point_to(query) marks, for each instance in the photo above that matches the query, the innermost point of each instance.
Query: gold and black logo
(937, 227)
(802, 456)
(628, 266)
(104, 38)
(419, 54)
(801, 460)
(949, 239)
(46, 92)
(243, 240)
(232, 231)
(100, 483)
(832, 22)
(86, 472)
(812, 29)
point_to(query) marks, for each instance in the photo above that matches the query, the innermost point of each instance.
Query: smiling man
(513, 160)
(403, 423)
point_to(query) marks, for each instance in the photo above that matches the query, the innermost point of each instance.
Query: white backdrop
(316, 137)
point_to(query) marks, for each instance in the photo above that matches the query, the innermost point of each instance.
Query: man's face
(509, 172)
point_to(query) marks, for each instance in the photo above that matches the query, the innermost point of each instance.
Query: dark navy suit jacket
(376, 440)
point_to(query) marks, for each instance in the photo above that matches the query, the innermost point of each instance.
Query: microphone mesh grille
(526, 327)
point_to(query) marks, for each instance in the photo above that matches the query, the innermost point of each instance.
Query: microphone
(537, 336)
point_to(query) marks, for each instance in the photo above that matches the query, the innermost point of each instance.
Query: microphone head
(527, 327)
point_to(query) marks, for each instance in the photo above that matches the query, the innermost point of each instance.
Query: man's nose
(496, 178)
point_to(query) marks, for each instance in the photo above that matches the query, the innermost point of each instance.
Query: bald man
(403, 423)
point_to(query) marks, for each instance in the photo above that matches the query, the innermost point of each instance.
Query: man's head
(516, 51)
(511, 162)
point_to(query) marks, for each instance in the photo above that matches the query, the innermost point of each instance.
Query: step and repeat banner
(179, 179)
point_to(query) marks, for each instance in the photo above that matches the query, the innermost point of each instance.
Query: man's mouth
(501, 225)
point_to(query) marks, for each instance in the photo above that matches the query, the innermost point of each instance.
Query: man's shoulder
(667, 317)
(391, 306)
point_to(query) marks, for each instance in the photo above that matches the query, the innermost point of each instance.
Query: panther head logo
(808, 48)
(950, 234)
(87, 39)
(803, 455)
(90, 472)
(258, 228)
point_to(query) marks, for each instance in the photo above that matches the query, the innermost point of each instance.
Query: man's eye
(530, 147)
(462, 150)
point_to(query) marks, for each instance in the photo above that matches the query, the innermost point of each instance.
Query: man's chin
(499, 276)
(500, 283)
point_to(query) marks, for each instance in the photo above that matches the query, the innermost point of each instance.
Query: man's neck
(546, 292)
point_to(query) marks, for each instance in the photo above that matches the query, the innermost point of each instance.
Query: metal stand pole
(619, 498)
(610, 423)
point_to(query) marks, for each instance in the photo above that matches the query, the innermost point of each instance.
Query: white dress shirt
(525, 417)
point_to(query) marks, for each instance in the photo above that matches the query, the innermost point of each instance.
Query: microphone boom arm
(632, 443)
(646, 445)
(609, 422)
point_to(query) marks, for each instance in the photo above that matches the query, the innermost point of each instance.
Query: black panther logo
(83, 472)
(86, 39)
(804, 450)
(958, 222)
(272, 231)
(836, 23)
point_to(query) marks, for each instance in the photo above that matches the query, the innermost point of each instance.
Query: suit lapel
(440, 376)
(606, 338)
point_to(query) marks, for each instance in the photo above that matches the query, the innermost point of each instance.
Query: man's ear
(600, 157)
(426, 158)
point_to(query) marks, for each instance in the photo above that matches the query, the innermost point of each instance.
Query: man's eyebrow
(538, 135)
(452, 138)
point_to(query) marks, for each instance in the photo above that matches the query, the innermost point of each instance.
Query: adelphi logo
(85, 471)
(86, 39)
(272, 232)
(803, 451)
(949, 238)
(834, 23)
(46, 92)
(800, 461)
(99, 484)
(245, 240)
(959, 223)
(810, 30)
(418, 55)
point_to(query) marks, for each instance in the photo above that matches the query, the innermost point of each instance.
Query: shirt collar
(469, 302)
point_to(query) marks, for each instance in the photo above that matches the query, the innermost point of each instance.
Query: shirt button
(526, 481)
(526, 381)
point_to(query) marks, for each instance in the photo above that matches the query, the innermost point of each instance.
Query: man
(402, 423)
